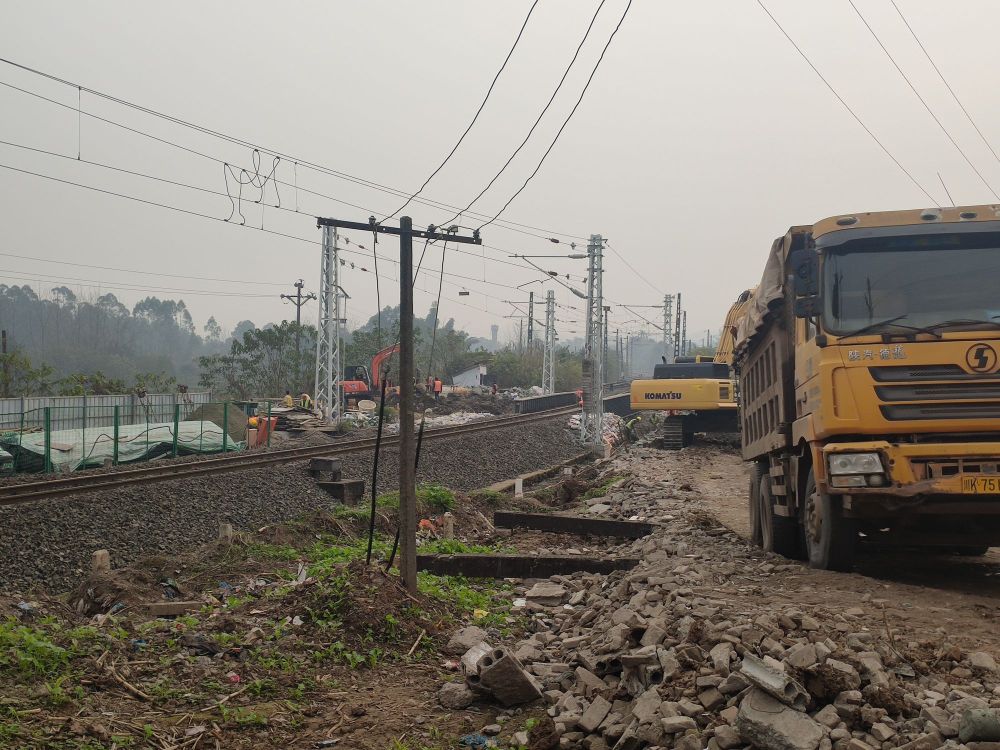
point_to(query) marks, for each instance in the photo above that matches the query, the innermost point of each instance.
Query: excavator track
(673, 434)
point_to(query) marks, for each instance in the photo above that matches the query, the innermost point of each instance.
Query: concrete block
(504, 676)
(225, 533)
(470, 659)
(980, 725)
(774, 682)
(348, 491)
(769, 724)
(462, 640)
(594, 715)
(332, 467)
(100, 561)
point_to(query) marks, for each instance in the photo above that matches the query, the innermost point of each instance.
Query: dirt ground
(939, 593)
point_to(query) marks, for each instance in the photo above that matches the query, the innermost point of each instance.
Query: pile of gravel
(49, 543)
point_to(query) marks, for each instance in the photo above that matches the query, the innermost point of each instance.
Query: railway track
(47, 488)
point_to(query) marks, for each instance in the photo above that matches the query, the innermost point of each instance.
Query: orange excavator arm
(377, 361)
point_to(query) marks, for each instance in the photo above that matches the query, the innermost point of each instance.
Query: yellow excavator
(698, 394)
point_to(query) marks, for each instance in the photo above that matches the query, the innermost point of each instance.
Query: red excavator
(360, 382)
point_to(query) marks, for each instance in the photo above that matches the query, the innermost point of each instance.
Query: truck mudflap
(969, 470)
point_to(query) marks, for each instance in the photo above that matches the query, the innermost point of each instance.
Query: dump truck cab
(871, 384)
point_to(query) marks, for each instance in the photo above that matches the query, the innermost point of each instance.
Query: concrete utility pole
(604, 347)
(628, 356)
(298, 300)
(329, 366)
(684, 334)
(677, 327)
(549, 352)
(407, 445)
(668, 325)
(531, 318)
(593, 366)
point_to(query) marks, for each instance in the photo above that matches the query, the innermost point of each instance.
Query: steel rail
(14, 494)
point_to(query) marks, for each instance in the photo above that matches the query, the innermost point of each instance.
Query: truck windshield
(890, 283)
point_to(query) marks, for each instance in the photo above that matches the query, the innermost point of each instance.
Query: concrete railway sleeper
(29, 491)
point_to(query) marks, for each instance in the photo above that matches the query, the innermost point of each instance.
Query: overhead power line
(474, 117)
(565, 122)
(847, 106)
(297, 161)
(630, 267)
(923, 101)
(945, 81)
(309, 241)
(100, 283)
(541, 114)
(219, 193)
(137, 271)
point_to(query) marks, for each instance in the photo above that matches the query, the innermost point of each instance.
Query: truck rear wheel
(778, 533)
(831, 538)
(756, 472)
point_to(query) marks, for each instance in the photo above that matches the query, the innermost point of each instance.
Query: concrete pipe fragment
(775, 683)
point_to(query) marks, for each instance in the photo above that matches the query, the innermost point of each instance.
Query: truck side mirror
(807, 307)
(804, 265)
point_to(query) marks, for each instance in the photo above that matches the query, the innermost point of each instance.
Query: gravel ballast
(49, 543)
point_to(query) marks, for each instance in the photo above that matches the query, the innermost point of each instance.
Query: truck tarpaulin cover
(768, 291)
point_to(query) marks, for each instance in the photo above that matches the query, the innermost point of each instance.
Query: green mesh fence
(68, 438)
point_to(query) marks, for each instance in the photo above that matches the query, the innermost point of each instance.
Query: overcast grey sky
(702, 137)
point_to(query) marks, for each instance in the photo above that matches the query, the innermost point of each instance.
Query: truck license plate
(981, 485)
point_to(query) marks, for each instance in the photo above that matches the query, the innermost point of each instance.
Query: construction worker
(493, 390)
(306, 401)
(630, 427)
(438, 386)
(579, 397)
(288, 401)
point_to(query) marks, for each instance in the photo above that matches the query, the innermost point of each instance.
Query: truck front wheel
(831, 538)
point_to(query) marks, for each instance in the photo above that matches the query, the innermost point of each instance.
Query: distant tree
(90, 384)
(262, 363)
(18, 377)
(242, 327)
(213, 331)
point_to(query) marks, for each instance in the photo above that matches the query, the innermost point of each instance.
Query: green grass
(602, 489)
(30, 651)
(348, 513)
(456, 547)
(490, 497)
(430, 497)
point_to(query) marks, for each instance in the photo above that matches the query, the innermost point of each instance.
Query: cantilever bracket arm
(431, 232)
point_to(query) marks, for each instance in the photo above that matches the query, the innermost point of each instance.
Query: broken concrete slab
(521, 566)
(462, 640)
(772, 681)
(455, 695)
(769, 724)
(572, 524)
(595, 714)
(546, 593)
(506, 678)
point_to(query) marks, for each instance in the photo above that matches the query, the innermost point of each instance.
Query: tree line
(63, 345)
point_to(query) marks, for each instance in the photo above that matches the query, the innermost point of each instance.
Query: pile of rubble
(690, 650)
(639, 660)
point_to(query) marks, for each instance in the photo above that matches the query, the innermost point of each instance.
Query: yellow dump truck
(870, 385)
(697, 394)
